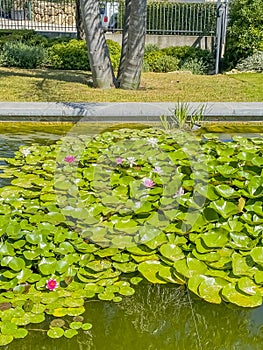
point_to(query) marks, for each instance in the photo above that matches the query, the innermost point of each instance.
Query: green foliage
(245, 32)
(165, 64)
(16, 35)
(72, 54)
(252, 63)
(18, 54)
(172, 58)
(69, 55)
(197, 60)
(150, 48)
(96, 230)
(182, 118)
(115, 53)
(195, 66)
(157, 61)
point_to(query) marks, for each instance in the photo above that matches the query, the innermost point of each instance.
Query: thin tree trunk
(130, 73)
(124, 39)
(101, 67)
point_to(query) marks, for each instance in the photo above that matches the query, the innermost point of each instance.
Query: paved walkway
(124, 111)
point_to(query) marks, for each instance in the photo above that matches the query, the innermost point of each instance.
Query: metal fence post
(221, 26)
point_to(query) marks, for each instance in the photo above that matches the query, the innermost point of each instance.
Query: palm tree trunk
(130, 73)
(101, 68)
(124, 40)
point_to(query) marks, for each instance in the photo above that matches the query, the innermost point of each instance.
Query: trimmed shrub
(158, 62)
(252, 63)
(74, 55)
(115, 53)
(69, 55)
(18, 54)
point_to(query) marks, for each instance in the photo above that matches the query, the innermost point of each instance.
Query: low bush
(73, 54)
(252, 63)
(18, 54)
(195, 66)
(115, 53)
(193, 58)
(15, 35)
(159, 62)
(69, 55)
(150, 48)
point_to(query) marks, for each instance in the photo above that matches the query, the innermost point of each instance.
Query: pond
(156, 316)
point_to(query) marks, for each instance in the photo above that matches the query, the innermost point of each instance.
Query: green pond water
(156, 317)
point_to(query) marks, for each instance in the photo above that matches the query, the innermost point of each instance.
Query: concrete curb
(124, 111)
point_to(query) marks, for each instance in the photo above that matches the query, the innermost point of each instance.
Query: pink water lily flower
(69, 159)
(148, 183)
(51, 284)
(179, 193)
(119, 160)
(157, 170)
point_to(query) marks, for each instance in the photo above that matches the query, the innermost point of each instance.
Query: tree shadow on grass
(73, 76)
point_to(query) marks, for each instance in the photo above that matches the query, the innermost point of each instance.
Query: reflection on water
(156, 317)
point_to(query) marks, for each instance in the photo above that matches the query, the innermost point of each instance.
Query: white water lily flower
(131, 160)
(152, 141)
(25, 151)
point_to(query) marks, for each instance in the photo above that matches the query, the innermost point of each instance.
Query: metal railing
(170, 17)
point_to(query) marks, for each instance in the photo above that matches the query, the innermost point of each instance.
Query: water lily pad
(210, 287)
(106, 296)
(224, 208)
(21, 333)
(127, 291)
(153, 238)
(232, 295)
(149, 269)
(135, 280)
(47, 266)
(125, 267)
(242, 265)
(75, 325)
(189, 267)
(258, 277)
(257, 255)
(5, 339)
(55, 332)
(70, 333)
(171, 252)
(215, 239)
(246, 285)
(57, 322)
(225, 190)
(86, 326)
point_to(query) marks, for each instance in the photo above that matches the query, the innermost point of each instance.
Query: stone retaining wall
(53, 13)
(45, 12)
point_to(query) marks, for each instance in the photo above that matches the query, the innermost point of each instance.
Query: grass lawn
(65, 86)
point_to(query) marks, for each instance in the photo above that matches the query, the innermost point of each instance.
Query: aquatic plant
(183, 118)
(95, 229)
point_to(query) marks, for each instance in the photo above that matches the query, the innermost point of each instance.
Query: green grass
(66, 86)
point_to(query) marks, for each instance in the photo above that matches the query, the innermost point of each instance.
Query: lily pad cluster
(98, 215)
